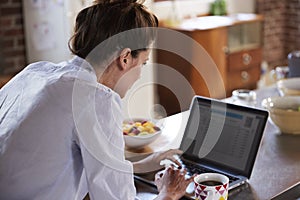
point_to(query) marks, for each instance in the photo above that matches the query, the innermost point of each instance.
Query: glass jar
(244, 97)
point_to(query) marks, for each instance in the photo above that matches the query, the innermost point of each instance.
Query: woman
(60, 124)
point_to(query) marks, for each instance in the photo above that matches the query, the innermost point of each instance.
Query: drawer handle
(245, 76)
(246, 59)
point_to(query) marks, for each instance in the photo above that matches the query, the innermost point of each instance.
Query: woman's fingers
(172, 155)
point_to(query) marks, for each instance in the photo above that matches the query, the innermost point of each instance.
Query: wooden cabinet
(233, 44)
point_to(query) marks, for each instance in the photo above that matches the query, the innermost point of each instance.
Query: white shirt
(60, 136)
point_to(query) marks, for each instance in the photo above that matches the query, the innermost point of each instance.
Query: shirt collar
(78, 61)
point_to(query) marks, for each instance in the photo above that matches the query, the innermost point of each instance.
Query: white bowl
(284, 113)
(289, 87)
(137, 142)
(140, 141)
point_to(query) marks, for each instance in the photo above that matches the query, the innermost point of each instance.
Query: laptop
(220, 137)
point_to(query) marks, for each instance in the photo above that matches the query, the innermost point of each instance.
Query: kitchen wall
(12, 43)
(281, 29)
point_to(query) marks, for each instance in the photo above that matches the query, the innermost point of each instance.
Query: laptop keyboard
(196, 169)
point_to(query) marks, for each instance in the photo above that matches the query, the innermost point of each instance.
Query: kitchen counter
(276, 167)
(212, 22)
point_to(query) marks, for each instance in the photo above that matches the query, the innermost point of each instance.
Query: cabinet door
(172, 77)
(245, 36)
(175, 96)
(214, 41)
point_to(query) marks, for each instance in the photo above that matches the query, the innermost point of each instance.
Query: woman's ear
(125, 59)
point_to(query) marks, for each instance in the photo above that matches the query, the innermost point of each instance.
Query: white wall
(139, 100)
(241, 6)
(187, 8)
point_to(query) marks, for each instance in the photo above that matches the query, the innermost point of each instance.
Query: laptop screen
(222, 135)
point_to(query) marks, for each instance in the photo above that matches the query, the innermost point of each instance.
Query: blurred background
(34, 30)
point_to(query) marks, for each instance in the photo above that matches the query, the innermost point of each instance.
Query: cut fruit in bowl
(140, 132)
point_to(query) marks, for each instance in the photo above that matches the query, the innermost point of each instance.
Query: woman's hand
(171, 183)
(152, 162)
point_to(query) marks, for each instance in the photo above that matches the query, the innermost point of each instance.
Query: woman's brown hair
(107, 18)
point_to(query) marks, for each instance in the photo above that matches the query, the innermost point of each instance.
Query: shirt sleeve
(98, 122)
(105, 182)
